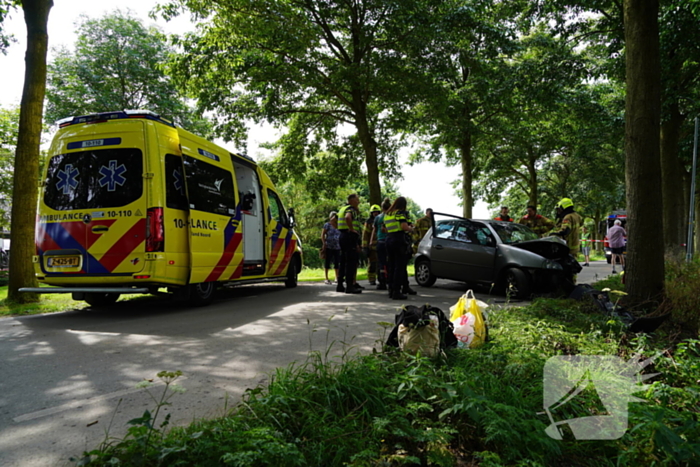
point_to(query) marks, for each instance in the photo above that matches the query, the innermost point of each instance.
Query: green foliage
(479, 404)
(317, 69)
(144, 438)
(683, 292)
(118, 63)
(6, 6)
(9, 126)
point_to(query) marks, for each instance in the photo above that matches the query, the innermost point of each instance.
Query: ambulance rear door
(93, 218)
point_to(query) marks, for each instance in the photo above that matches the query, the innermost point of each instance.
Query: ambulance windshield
(94, 179)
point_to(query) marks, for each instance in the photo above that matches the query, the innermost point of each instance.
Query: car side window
(483, 235)
(464, 234)
(444, 230)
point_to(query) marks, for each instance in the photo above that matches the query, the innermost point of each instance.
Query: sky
(428, 184)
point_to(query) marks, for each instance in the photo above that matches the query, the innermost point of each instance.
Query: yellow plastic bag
(469, 321)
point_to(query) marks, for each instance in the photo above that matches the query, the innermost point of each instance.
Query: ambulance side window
(210, 188)
(175, 195)
(277, 209)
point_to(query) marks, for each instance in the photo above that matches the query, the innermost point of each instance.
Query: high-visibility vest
(392, 221)
(342, 223)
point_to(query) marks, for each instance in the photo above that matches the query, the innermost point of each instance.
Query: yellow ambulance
(132, 204)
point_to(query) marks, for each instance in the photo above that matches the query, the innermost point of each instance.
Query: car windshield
(510, 232)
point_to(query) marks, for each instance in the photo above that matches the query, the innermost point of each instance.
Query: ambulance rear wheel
(202, 294)
(96, 299)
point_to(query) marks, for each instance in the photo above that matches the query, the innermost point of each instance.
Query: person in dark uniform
(350, 228)
(398, 247)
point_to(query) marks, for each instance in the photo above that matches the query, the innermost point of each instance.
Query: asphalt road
(66, 379)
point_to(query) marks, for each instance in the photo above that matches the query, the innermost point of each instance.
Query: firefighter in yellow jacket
(369, 248)
(569, 227)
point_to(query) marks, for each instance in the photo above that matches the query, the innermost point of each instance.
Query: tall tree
(322, 66)
(643, 168)
(680, 93)
(36, 17)
(470, 48)
(118, 63)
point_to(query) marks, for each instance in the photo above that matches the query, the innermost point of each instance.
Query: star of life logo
(577, 385)
(112, 175)
(67, 179)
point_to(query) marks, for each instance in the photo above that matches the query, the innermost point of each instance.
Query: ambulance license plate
(63, 261)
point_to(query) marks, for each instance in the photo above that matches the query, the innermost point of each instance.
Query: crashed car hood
(548, 247)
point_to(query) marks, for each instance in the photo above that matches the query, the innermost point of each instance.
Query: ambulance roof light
(116, 115)
(64, 120)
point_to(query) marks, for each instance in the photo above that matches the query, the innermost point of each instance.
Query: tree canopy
(333, 73)
(117, 63)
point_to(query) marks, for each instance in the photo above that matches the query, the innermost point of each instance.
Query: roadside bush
(683, 292)
(471, 407)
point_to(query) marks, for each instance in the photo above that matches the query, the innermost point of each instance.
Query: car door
(441, 246)
(465, 251)
(474, 251)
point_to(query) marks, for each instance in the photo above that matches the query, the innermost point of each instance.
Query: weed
(139, 447)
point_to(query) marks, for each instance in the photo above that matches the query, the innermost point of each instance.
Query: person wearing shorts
(616, 239)
(330, 237)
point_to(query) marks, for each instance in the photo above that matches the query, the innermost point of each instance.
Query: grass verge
(472, 407)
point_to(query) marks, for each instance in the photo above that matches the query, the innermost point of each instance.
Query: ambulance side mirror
(292, 219)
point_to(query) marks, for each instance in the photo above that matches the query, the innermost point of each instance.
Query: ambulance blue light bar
(116, 115)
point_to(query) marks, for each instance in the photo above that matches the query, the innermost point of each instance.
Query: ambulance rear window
(94, 179)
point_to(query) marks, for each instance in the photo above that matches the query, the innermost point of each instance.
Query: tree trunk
(369, 145)
(532, 182)
(466, 152)
(645, 265)
(674, 219)
(24, 198)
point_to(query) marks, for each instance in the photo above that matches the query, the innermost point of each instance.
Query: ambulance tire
(292, 274)
(97, 300)
(202, 294)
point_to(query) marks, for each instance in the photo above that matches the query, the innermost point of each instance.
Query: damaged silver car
(505, 255)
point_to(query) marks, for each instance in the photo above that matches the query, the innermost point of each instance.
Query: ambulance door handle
(99, 229)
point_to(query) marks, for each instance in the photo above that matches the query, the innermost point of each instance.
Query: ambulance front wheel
(292, 275)
(202, 294)
(101, 299)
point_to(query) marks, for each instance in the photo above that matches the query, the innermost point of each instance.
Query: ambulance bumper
(119, 290)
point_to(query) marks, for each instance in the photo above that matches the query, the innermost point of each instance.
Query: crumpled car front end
(548, 260)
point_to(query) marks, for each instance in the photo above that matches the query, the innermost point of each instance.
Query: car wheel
(96, 299)
(292, 275)
(202, 294)
(517, 283)
(424, 277)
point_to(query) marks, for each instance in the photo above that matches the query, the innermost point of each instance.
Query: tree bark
(645, 264)
(674, 219)
(369, 145)
(466, 153)
(25, 188)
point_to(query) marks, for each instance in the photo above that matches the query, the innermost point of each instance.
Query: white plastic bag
(469, 321)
